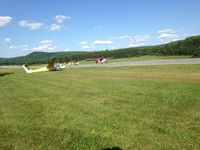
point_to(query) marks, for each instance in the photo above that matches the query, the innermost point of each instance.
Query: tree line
(189, 46)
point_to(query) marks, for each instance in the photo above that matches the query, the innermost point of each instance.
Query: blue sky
(90, 25)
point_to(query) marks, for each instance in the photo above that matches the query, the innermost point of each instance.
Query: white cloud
(5, 20)
(102, 42)
(45, 45)
(175, 40)
(67, 49)
(85, 47)
(24, 47)
(83, 43)
(133, 41)
(121, 37)
(46, 42)
(44, 48)
(138, 41)
(55, 27)
(30, 25)
(167, 34)
(133, 45)
(7, 40)
(61, 18)
(167, 31)
(13, 47)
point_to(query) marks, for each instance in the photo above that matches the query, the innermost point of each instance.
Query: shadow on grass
(5, 73)
(113, 148)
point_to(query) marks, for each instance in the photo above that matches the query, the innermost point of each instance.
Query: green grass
(2, 70)
(5, 71)
(141, 58)
(152, 107)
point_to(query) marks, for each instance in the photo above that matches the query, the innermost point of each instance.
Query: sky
(92, 25)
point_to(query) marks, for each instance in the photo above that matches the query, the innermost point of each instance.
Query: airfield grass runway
(144, 63)
(141, 107)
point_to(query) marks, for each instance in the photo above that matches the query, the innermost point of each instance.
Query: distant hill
(189, 46)
(36, 57)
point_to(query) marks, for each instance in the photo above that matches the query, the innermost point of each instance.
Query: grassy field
(141, 58)
(152, 107)
(5, 71)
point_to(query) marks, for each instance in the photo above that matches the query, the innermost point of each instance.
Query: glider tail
(26, 69)
(51, 64)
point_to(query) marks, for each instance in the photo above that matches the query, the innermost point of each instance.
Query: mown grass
(152, 107)
(5, 71)
(140, 58)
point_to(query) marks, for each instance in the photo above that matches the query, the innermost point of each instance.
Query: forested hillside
(189, 46)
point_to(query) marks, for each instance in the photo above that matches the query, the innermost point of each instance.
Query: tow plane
(51, 66)
(103, 60)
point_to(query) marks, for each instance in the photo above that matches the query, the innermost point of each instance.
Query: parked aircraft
(101, 60)
(50, 67)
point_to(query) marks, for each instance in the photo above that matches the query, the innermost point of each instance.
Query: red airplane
(102, 60)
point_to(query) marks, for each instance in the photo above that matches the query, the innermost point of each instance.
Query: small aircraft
(50, 67)
(101, 60)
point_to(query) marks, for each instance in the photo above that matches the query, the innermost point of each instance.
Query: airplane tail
(26, 69)
(51, 64)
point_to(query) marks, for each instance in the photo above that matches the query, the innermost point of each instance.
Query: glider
(50, 67)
